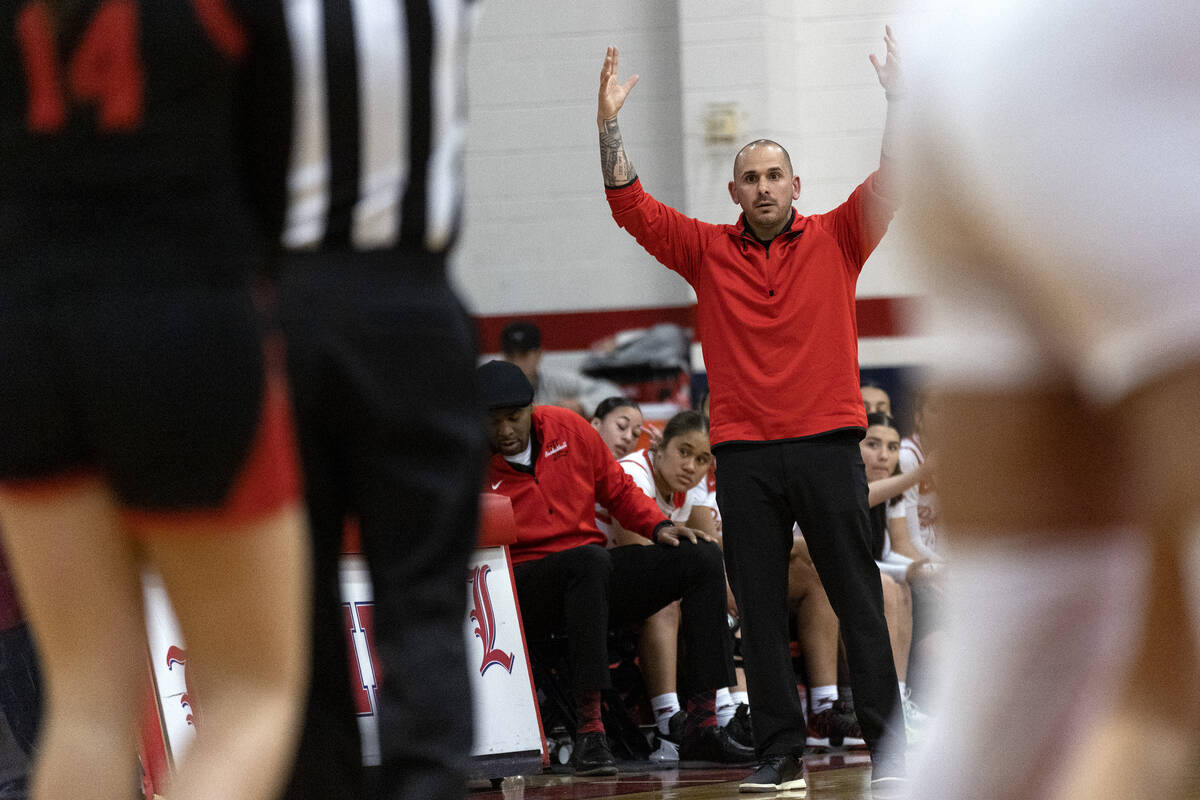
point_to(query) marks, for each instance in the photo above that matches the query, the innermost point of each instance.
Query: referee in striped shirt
(382, 356)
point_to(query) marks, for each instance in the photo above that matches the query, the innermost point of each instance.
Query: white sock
(903, 689)
(823, 697)
(725, 707)
(1046, 619)
(664, 706)
(739, 698)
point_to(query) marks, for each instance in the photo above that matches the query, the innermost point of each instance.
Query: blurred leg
(1145, 745)
(80, 580)
(242, 599)
(329, 760)
(1027, 486)
(415, 461)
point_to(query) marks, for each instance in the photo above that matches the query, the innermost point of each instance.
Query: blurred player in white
(1055, 192)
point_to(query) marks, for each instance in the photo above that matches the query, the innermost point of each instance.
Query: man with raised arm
(777, 317)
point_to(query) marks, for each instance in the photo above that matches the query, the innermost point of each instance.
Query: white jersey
(921, 506)
(639, 465)
(710, 500)
(890, 562)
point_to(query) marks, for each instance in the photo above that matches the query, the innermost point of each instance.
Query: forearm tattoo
(618, 171)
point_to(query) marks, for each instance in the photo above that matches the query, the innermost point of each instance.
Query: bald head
(759, 145)
(764, 185)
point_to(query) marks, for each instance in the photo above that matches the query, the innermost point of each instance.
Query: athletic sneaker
(914, 718)
(777, 774)
(591, 755)
(888, 781)
(739, 728)
(852, 737)
(666, 745)
(893, 788)
(835, 727)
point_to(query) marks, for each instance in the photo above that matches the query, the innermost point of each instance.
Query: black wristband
(666, 523)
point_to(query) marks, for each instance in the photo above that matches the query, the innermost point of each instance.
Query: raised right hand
(612, 91)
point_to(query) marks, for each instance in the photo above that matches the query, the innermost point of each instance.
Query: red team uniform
(129, 340)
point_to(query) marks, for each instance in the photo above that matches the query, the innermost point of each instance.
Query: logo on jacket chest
(556, 448)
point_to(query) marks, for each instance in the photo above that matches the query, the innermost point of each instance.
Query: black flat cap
(502, 384)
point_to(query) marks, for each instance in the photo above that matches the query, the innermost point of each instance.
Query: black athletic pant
(585, 590)
(820, 483)
(20, 686)
(382, 358)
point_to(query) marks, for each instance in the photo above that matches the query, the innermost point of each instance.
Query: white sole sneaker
(667, 753)
(891, 788)
(794, 785)
(757, 787)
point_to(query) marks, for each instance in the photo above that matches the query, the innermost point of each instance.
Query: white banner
(506, 714)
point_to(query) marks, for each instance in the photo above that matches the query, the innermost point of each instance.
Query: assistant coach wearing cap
(554, 467)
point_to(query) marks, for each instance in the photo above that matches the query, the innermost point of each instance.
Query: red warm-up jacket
(777, 321)
(555, 507)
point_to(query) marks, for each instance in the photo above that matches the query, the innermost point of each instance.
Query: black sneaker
(739, 728)
(852, 736)
(834, 728)
(712, 747)
(888, 776)
(591, 755)
(777, 774)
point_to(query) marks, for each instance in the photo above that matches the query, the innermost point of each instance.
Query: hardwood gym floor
(830, 777)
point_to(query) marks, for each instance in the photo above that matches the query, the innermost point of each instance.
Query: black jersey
(132, 165)
(131, 141)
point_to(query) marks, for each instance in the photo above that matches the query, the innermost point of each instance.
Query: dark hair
(520, 337)
(887, 421)
(880, 418)
(871, 384)
(611, 404)
(787, 158)
(684, 422)
(878, 514)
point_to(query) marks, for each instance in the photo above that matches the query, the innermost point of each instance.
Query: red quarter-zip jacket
(777, 321)
(555, 507)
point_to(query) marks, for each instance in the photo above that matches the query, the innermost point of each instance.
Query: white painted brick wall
(538, 234)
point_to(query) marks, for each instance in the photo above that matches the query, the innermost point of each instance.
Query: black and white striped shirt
(379, 123)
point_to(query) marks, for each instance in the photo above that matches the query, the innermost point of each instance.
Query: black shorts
(161, 392)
